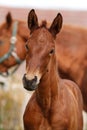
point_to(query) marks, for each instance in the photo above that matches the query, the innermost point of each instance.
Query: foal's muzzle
(30, 84)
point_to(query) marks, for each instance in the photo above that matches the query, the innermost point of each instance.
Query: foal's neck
(48, 87)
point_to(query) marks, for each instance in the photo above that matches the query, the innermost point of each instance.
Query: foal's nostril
(24, 77)
(35, 78)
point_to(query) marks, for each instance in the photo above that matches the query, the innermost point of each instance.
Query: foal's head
(40, 49)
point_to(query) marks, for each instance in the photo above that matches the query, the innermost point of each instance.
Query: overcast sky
(47, 4)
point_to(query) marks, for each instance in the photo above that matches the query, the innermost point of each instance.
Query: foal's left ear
(8, 19)
(32, 20)
(56, 25)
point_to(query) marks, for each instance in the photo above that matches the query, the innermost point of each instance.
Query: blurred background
(13, 97)
(47, 4)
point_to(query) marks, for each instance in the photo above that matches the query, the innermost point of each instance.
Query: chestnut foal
(56, 103)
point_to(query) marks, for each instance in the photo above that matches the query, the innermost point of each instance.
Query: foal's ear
(32, 20)
(56, 24)
(8, 19)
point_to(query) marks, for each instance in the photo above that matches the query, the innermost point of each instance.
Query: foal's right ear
(8, 19)
(32, 20)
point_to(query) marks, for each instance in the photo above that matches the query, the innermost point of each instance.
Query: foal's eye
(51, 52)
(26, 47)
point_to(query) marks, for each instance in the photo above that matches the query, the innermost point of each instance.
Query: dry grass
(11, 102)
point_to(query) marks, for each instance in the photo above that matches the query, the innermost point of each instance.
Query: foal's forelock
(44, 24)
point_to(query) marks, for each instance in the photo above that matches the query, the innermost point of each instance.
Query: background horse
(13, 35)
(56, 103)
(71, 46)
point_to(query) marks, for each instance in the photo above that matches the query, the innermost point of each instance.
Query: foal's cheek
(44, 64)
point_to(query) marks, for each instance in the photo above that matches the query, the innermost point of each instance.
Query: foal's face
(40, 49)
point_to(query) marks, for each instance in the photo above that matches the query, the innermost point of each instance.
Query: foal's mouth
(30, 85)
